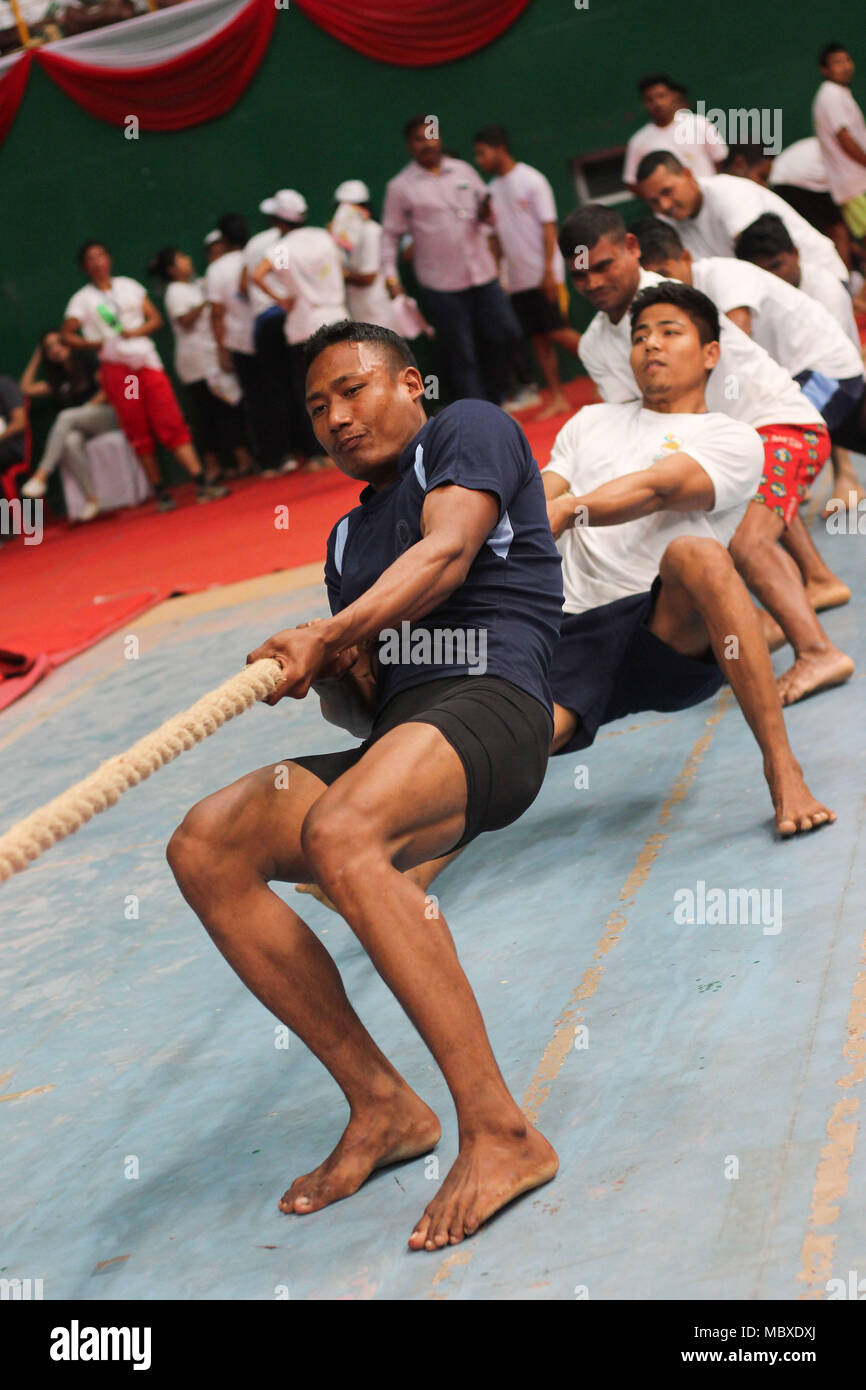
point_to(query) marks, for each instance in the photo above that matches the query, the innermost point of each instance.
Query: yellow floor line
(831, 1177)
(560, 1045)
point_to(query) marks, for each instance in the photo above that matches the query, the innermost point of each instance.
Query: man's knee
(337, 838)
(196, 843)
(695, 562)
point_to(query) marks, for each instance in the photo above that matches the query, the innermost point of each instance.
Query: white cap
(212, 237)
(287, 204)
(352, 191)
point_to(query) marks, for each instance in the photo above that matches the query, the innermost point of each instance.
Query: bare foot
(845, 496)
(390, 1133)
(832, 593)
(814, 671)
(488, 1173)
(316, 892)
(797, 811)
(773, 634)
(559, 405)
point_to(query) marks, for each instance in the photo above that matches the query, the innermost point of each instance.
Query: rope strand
(103, 788)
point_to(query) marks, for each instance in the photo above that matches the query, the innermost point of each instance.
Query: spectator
(672, 126)
(232, 322)
(306, 264)
(271, 348)
(113, 315)
(841, 131)
(71, 380)
(215, 393)
(525, 222)
(13, 424)
(442, 203)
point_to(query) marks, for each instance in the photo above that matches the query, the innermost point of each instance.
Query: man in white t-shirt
(747, 384)
(643, 498)
(841, 130)
(112, 315)
(306, 265)
(711, 213)
(273, 361)
(672, 126)
(525, 222)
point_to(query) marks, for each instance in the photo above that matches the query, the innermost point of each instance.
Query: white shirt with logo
(123, 302)
(604, 442)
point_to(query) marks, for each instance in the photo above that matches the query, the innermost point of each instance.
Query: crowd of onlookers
(491, 273)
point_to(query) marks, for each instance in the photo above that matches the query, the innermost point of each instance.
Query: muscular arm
(850, 145)
(677, 484)
(455, 522)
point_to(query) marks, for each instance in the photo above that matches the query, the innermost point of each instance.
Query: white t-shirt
(309, 268)
(834, 108)
(522, 202)
(695, 142)
(802, 166)
(746, 383)
(255, 251)
(222, 285)
(603, 442)
(729, 204)
(819, 284)
(122, 301)
(794, 329)
(195, 349)
(369, 303)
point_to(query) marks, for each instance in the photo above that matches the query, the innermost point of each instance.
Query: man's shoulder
(475, 415)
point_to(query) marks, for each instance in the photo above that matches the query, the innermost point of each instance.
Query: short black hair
(160, 264)
(348, 331)
(701, 310)
(234, 229)
(586, 226)
(85, 247)
(829, 49)
(658, 79)
(657, 239)
(656, 159)
(763, 238)
(752, 153)
(495, 135)
(413, 124)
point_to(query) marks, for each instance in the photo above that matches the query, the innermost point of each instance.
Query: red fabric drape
(194, 87)
(414, 33)
(12, 85)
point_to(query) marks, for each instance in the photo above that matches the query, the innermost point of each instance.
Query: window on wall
(598, 176)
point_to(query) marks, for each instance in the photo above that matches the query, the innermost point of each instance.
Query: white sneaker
(34, 487)
(90, 510)
(523, 399)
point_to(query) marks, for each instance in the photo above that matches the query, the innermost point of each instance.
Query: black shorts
(501, 735)
(817, 208)
(607, 664)
(536, 313)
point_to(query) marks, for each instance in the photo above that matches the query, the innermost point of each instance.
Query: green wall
(561, 79)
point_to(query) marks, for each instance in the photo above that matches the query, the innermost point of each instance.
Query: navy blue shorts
(837, 400)
(607, 664)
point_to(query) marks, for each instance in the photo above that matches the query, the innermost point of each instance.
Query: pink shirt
(440, 212)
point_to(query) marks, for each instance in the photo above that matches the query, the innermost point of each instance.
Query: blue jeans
(476, 331)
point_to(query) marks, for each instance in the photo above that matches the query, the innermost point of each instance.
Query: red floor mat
(84, 581)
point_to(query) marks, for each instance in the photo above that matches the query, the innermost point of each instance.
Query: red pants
(793, 457)
(146, 406)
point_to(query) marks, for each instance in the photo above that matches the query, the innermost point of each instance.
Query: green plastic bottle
(108, 316)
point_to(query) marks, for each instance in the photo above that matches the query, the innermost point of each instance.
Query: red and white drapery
(187, 64)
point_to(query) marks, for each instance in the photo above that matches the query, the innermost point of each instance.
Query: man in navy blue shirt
(445, 590)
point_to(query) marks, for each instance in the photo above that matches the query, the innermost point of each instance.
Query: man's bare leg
(223, 855)
(422, 874)
(546, 354)
(775, 581)
(824, 589)
(702, 597)
(845, 482)
(401, 805)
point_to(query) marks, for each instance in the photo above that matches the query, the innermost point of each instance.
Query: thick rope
(69, 811)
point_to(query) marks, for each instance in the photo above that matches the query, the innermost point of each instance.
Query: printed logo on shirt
(670, 445)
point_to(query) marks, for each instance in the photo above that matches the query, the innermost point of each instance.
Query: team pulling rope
(69, 811)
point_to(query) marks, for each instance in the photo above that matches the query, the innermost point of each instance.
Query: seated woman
(71, 379)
